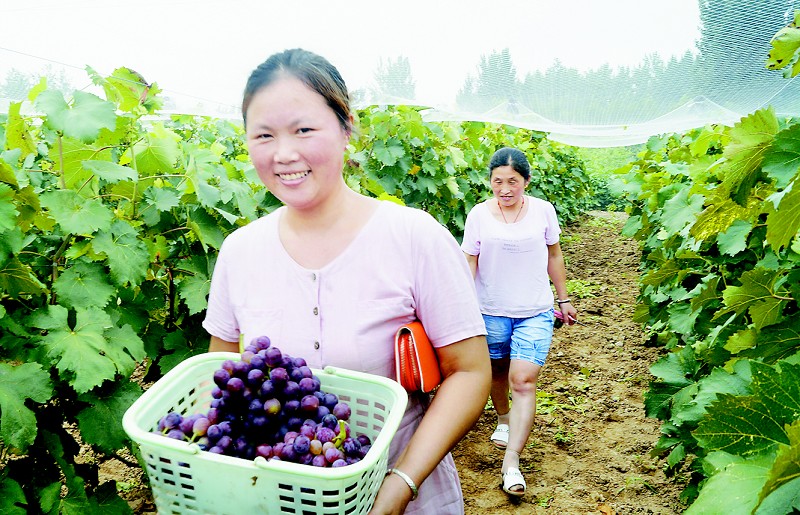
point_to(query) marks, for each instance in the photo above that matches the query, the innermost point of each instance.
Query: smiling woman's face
(508, 185)
(296, 142)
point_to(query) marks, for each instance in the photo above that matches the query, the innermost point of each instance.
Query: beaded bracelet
(402, 475)
(565, 301)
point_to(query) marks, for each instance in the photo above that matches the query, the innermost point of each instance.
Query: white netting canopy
(590, 73)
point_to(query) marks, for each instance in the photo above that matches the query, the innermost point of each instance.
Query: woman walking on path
(511, 245)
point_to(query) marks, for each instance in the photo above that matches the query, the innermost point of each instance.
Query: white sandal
(500, 436)
(512, 478)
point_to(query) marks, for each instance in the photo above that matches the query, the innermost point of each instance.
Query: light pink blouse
(401, 266)
(512, 279)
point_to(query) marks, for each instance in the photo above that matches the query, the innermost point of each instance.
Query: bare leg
(522, 379)
(499, 391)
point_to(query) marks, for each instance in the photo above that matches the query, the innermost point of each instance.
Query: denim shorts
(526, 339)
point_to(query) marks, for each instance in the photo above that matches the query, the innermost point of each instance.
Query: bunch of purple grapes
(270, 404)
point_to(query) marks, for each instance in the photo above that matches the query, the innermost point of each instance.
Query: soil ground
(589, 450)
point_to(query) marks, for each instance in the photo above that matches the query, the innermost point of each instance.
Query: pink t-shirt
(512, 279)
(401, 266)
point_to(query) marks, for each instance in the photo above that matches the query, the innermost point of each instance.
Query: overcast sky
(205, 49)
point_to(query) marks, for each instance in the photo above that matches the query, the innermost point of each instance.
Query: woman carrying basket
(332, 274)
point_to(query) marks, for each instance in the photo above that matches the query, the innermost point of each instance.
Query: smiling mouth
(292, 176)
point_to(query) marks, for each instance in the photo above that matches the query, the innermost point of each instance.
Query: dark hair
(512, 157)
(313, 70)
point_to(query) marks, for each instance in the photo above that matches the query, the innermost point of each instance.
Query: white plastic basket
(186, 480)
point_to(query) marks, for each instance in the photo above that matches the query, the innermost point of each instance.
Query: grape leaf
(17, 421)
(676, 456)
(206, 228)
(734, 239)
(83, 120)
(785, 499)
(389, 152)
(163, 199)
(741, 340)
(128, 257)
(658, 399)
(734, 489)
(69, 163)
(676, 368)
(707, 292)
(708, 388)
(12, 498)
(681, 210)
(17, 134)
(782, 158)
(786, 468)
(194, 291)
(18, 279)
(785, 49)
(426, 183)
(758, 295)
(243, 194)
(749, 424)
(131, 90)
(682, 317)
(750, 137)
(776, 342)
(668, 272)
(201, 168)
(176, 342)
(76, 214)
(7, 175)
(110, 172)
(783, 223)
(101, 423)
(8, 211)
(29, 208)
(83, 285)
(717, 217)
(83, 354)
(155, 154)
(207, 195)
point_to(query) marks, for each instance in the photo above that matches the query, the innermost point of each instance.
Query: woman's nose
(285, 151)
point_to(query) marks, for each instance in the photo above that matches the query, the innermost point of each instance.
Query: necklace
(518, 212)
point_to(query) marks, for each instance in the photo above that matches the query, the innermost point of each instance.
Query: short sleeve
(447, 303)
(471, 242)
(552, 230)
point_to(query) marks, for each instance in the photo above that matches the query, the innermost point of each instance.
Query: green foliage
(110, 220)
(442, 168)
(111, 217)
(717, 220)
(785, 52)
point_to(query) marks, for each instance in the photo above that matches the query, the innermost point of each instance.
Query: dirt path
(589, 449)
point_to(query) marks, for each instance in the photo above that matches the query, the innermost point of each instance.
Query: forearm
(220, 345)
(557, 271)
(558, 276)
(457, 405)
(472, 261)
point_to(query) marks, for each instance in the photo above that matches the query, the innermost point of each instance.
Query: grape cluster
(270, 404)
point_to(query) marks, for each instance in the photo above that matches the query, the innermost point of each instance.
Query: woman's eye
(304, 130)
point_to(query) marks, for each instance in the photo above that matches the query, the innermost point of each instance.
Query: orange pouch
(415, 360)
